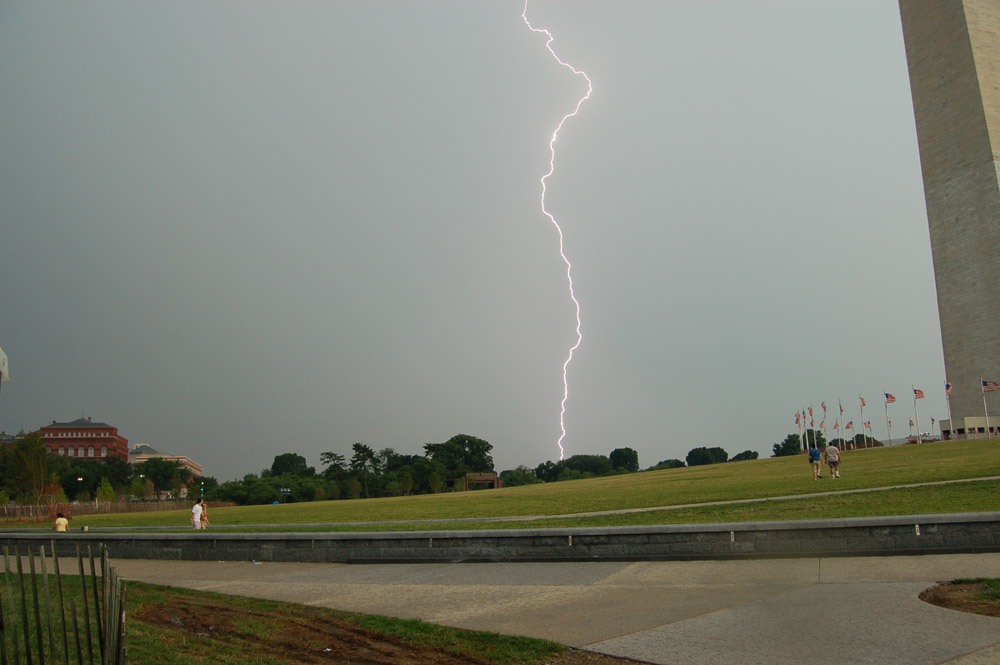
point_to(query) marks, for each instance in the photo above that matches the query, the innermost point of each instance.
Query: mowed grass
(757, 479)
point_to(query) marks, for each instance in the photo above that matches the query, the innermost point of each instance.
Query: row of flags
(889, 398)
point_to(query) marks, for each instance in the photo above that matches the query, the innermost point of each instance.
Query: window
(90, 451)
(62, 450)
(104, 451)
(70, 451)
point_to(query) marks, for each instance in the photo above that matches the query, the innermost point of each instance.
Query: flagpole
(864, 437)
(843, 432)
(798, 421)
(826, 428)
(982, 387)
(951, 421)
(888, 427)
(805, 432)
(915, 414)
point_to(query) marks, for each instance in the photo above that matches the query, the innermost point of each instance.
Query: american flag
(890, 424)
(841, 408)
(947, 388)
(812, 423)
(810, 412)
(932, 422)
(822, 424)
(890, 398)
(823, 404)
(796, 417)
(862, 400)
(911, 422)
(990, 386)
(919, 394)
(868, 424)
(836, 425)
(849, 425)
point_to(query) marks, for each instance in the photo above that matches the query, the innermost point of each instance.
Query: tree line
(793, 444)
(31, 474)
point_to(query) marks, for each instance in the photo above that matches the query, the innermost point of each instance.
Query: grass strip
(171, 626)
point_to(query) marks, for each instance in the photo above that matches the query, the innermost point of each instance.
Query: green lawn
(172, 626)
(862, 469)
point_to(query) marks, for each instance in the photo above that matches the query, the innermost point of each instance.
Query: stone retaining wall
(868, 536)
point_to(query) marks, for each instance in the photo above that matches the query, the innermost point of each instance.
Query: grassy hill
(677, 489)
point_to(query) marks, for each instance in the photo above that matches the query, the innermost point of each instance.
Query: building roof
(79, 422)
(144, 449)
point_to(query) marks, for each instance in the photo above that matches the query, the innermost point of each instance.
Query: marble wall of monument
(953, 53)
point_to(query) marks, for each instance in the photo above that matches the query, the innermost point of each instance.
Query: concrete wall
(954, 62)
(928, 534)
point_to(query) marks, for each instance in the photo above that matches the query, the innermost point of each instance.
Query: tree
(461, 454)
(592, 465)
(364, 462)
(334, 463)
(161, 472)
(105, 492)
(291, 463)
(668, 464)
(548, 471)
(520, 475)
(790, 446)
(31, 467)
(814, 438)
(624, 458)
(702, 456)
(744, 456)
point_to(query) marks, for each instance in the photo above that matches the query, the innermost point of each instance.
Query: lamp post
(284, 493)
(79, 486)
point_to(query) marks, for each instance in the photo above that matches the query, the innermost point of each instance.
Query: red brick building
(84, 438)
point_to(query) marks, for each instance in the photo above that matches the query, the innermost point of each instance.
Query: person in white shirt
(196, 514)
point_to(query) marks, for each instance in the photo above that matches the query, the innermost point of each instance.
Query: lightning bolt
(562, 252)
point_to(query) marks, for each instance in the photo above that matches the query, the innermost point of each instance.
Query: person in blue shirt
(814, 460)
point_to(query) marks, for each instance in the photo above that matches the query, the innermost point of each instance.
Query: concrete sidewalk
(794, 611)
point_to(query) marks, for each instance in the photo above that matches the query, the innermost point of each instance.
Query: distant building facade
(954, 64)
(85, 439)
(143, 451)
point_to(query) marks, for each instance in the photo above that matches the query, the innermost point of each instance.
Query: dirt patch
(303, 636)
(960, 597)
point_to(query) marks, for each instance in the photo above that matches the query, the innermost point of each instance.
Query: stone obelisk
(953, 53)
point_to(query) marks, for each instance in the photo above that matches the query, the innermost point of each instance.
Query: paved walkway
(693, 612)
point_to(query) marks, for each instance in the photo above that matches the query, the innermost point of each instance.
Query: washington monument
(953, 54)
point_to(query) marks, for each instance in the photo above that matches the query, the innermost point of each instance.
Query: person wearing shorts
(833, 460)
(814, 460)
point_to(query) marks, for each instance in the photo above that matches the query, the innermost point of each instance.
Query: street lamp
(79, 486)
(284, 493)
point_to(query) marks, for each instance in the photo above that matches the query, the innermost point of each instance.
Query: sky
(236, 230)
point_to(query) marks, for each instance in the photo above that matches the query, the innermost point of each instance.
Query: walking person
(814, 460)
(204, 516)
(833, 460)
(196, 511)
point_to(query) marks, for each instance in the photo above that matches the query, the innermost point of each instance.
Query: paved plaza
(776, 611)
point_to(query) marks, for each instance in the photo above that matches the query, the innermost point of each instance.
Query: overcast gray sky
(234, 230)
